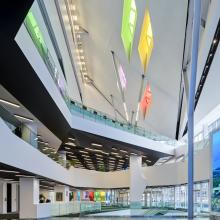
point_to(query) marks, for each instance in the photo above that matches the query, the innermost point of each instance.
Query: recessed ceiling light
(105, 153)
(9, 171)
(98, 145)
(23, 118)
(20, 175)
(72, 139)
(70, 144)
(82, 151)
(114, 153)
(8, 179)
(67, 148)
(123, 151)
(113, 148)
(43, 142)
(133, 154)
(9, 103)
(214, 41)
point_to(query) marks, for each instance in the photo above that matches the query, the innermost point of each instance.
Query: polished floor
(125, 218)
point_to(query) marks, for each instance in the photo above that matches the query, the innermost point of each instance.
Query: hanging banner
(146, 100)
(146, 42)
(129, 19)
(122, 77)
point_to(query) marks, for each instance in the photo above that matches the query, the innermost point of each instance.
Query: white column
(137, 182)
(14, 197)
(64, 190)
(29, 197)
(3, 197)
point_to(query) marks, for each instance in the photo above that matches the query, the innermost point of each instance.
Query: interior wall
(168, 174)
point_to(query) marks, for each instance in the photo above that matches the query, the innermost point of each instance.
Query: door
(8, 197)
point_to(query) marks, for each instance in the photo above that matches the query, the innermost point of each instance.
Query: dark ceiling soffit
(18, 76)
(207, 66)
(117, 143)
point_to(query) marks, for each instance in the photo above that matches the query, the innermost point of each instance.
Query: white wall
(26, 44)
(29, 196)
(23, 155)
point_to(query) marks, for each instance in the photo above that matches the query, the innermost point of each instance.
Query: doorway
(8, 197)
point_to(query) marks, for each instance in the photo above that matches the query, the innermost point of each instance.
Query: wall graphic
(216, 171)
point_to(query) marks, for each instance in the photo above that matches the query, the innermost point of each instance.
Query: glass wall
(176, 197)
(171, 197)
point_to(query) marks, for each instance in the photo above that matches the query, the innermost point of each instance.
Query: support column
(3, 197)
(14, 197)
(137, 182)
(192, 88)
(64, 193)
(29, 197)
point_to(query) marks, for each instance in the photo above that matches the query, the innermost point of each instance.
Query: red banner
(146, 100)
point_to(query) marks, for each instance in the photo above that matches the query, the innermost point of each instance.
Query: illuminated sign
(146, 43)
(129, 19)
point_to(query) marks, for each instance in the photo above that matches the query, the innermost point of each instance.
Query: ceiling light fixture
(82, 151)
(9, 171)
(23, 118)
(70, 143)
(9, 103)
(72, 139)
(123, 151)
(98, 145)
(27, 176)
(114, 153)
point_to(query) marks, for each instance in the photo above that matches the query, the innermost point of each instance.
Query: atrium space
(110, 109)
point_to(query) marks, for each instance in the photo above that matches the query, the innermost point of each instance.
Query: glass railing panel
(94, 115)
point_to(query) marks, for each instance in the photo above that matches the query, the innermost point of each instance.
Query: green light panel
(128, 25)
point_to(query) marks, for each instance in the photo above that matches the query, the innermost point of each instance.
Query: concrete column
(3, 197)
(29, 197)
(65, 192)
(137, 182)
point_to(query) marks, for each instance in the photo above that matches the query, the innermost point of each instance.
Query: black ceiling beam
(207, 66)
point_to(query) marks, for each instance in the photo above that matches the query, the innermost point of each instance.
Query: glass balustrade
(80, 110)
